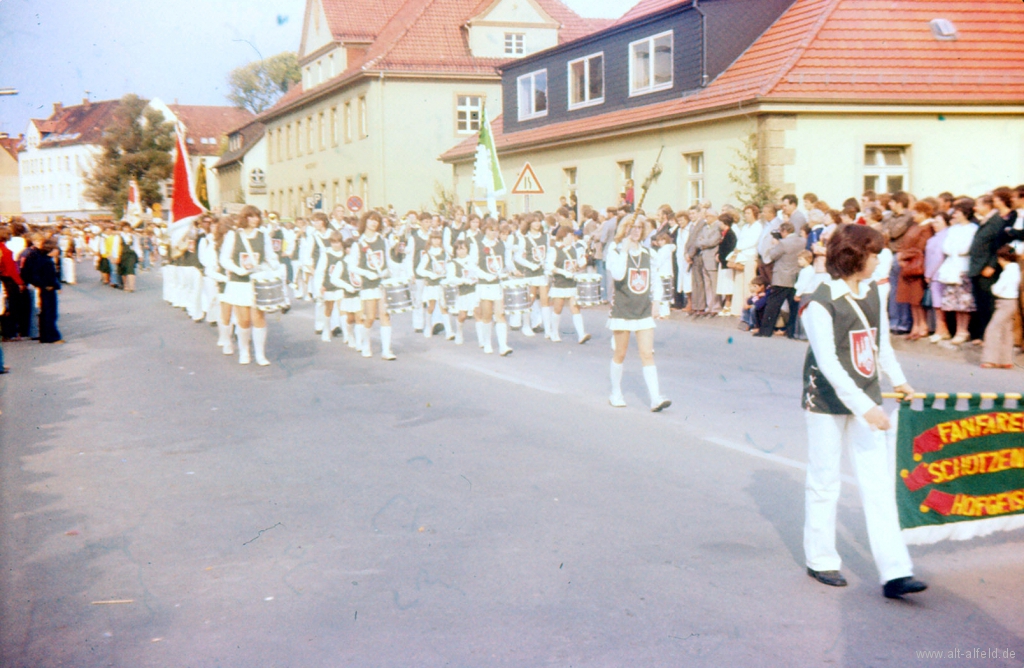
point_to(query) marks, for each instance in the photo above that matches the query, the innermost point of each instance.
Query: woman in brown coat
(911, 286)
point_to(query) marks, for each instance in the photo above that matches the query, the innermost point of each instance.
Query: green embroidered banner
(960, 474)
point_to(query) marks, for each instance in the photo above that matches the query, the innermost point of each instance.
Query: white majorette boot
(501, 329)
(244, 336)
(385, 343)
(458, 333)
(545, 316)
(486, 327)
(325, 335)
(658, 402)
(259, 345)
(581, 334)
(367, 346)
(555, 321)
(616, 398)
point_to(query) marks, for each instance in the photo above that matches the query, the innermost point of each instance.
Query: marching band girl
(493, 262)
(462, 272)
(244, 251)
(629, 264)
(224, 225)
(563, 264)
(318, 244)
(532, 257)
(419, 239)
(350, 304)
(372, 265)
(331, 272)
(433, 269)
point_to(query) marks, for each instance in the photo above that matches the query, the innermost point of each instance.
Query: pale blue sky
(55, 50)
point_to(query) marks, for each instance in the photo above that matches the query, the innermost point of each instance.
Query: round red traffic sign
(355, 203)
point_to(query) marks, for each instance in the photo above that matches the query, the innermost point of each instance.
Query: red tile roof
(12, 145)
(645, 7)
(424, 36)
(840, 51)
(359, 20)
(78, 124)
(208, 122)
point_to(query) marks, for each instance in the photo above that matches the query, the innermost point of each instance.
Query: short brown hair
(924, 207)
(849, 247)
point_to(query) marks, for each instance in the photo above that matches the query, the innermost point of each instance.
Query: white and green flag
(487, 171)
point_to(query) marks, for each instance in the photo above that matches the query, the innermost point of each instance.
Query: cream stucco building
(388, 86)
(914, 103)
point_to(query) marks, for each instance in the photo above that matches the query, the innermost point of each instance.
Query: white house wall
(964, 154)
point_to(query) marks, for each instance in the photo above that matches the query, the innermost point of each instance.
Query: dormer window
(515, 44)
(586, 81)
(650, 64)
(533, 95)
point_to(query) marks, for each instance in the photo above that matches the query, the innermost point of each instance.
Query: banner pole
(946, 395)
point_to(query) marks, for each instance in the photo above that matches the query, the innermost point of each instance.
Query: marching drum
(516, 293)
(451, 294)
(398, 296)
(588, 290)
(269, 293)
(668, 289)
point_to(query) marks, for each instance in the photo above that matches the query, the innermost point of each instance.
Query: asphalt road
(162, 505)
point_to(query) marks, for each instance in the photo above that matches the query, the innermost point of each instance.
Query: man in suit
(783, 255)
(697, 298)
(982, 267)
(896, 225)
(708, 241)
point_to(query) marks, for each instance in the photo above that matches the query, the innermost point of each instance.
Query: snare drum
(451, 294)
(516, 295)
(398, 296)
(269, 293)
(588, 290)
(668, 289)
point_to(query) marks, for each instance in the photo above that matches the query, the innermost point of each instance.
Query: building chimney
(57, 107)
(86, 103)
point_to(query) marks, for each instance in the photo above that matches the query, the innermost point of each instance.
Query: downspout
(703, 44)
(383, 171)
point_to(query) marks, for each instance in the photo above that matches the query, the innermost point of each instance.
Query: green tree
(751, 188)
(136, 145)
(259, 84)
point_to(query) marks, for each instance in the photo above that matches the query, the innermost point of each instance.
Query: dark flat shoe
(830, 578)
(900, 586)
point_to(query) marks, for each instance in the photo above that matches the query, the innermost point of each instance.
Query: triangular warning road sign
(527, 183)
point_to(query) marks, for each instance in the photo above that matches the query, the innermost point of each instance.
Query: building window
(321, 126)
(533, 95)
(570, 179)
(364, 191)
(288, 139)
(334, 126)
(650, 64)
(694, 178)
(515, 44)
(364, 131)
(335, 194)
(348, 121)
(349, 188)
(309, 135)
(586, 81)
(467, 113)
(886, 169)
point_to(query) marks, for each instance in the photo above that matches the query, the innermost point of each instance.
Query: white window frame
(652, 88)
(883, 171)
(532, 76)
(515, 44)
(694, 177)
(586, 81)
(469, 108)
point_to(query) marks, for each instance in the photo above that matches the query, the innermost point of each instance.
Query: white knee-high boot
(501, 329)
(535, 315)
(616, 375)
(555, 320)
(486, 329)
(229, 344)
(658, 402)
(325, 335)
(319, 320)
(480, 333)
(385, 343)
(259, 345)
(367, 346)
(350, 339)
(223, 334)
(244, 336)
(545, 315)
(581, 333)
(446, 320)
(458, 332)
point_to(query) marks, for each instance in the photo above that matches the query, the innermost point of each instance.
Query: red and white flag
(185, 207)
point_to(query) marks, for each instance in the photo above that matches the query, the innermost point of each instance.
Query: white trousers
(191, 282)
(826, 436)
(210, 302)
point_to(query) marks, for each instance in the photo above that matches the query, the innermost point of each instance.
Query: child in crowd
(755, 304)
(998, 353)
(664, 249)
(807, 281)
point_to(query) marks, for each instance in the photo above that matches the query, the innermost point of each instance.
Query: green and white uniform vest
(856, 348)
(535, 249)
(565, 261)
(257, 246)
(492, 260)
(373, 257)
(633, 292)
